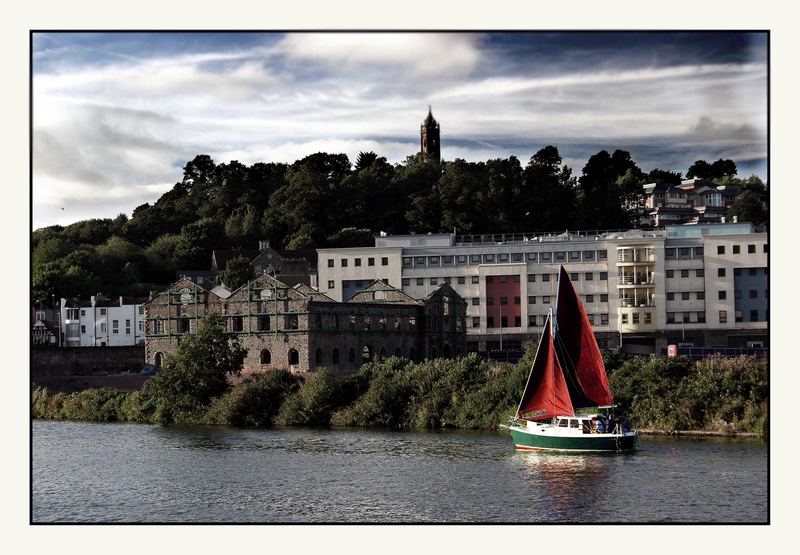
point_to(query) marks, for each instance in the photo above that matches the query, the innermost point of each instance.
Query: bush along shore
(717, 394)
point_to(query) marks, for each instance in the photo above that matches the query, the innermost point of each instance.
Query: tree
(664, 176)
(601, 202)
(197, 240)
(719, 169)
(748, 208)
(242, 226)
(548, 195)
(700, 169)
(196, 372)
(235, 274)
(352, 237)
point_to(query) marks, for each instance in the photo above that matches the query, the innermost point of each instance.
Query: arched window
(352, 356)
(382, 355)
(294, 357)
(318, 356)
(266, 356)
(366, 355)
(159, 359)
(335, 356)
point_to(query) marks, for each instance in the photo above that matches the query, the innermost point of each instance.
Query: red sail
(546, 393)
(577, 348)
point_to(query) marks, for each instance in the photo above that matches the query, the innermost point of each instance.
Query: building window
(489, 321)
(294, 357)
(701, 317)
(127, 327)
(102, 312)
(517, 300)
(516, 257)
(560, 256)
(670, 296)
(503, 257)
(723, 316)
(698, 251)
(589, 276)
(720, 249)
(604, 319)
(83, 313)
(475, 259)
(604, 297)
(532, 256)
(517, 321)
(700, 273)
(238, 323)
(701, 295)
(685, 296)
(589, 298)
(532, 320)
(720, 272)
(476, 322)
(686, 317)
(157, 326)
(263, 323)
(602, 255)
(447, 260)
(670, 317)
(545, 299)
(407, 260)
(504, 321)
(738, 317)
(625, 317)
(488, 258)
(183, 325)
(574, 255)
(515, 278)
(330, 263)
(371, 261)
(735, 249)
(591, 318)
(83, 329)
(266, 356)
(573, 276)
(669, 254)
(670, 273)
(406, 282)
(722, 295)
(546, 257)
(754, 315)
(751, 249)
(603, 276)
(114, 326)
(357, 261)
(475, 301)
(489, 301)
(648, 318)
(331, 284)
(476, 279)
(588, 255)
(635, 317)
(420, 281)
(766, 248)
(684, 273)
(141, 310)
(531, 278)
(344, 263)
(545, 277)
(461, 259)
(503, 300)
(489, 279)
(531, 299)
(291, 322)
(434, 281)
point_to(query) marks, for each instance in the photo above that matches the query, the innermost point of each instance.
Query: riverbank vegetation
(719, 394)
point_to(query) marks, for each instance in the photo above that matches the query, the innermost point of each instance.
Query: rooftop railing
(554, 236)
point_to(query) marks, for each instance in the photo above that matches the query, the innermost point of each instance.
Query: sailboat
(567, 374)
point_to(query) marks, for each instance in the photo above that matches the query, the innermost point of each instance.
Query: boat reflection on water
(570, 483)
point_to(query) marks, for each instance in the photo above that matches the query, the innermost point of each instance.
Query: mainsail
(546, 393)
(578, 351)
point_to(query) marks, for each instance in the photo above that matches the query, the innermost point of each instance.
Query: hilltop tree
(748, 208)
(235, 274)
(547, 199)
(718, 170)
(663, 176)
(601, 202)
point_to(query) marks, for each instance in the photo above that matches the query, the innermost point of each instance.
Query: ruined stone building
(303, 330)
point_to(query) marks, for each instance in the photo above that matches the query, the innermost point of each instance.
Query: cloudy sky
(117, 115)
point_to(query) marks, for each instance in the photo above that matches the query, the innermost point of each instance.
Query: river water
(85, 472)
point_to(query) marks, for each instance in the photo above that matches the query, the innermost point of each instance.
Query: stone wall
(86, 361)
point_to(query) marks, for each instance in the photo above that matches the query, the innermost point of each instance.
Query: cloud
(420, 53)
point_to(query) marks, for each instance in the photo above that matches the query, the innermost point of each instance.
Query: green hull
(525, 441)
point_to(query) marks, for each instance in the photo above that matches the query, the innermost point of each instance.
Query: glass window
(503, 300)
(723, 295)
(669, 254)
(462, 259)
(476, 301)
(461, 280)
(737, 316)
(532, 320)
(516, 257)
(670, 296)
(723, 316)
(447, 280)
(357, 262)
(754, 315)
(476, 279)
(602, 255)
(700, 273)
(574, 255)
(546, 299)
(434, 281)
(546, 257)
(573, 276)
(603, 276)
(531, 278)
(503, 257)
(701, 295)
(476, 321)
(406, 282)
(591, 318)
(371, 261)
(532, 256)
(735, 249)
(515, 278)
(432, 261)
(561, 256)
(685, 296)
(604, 297)
(330, 263)
(489, 301)
(670, 317)
(475, 258)
(406, 261)
(489, 279)
(545, 277)
(589, 276)
(420, 281)
(604, 319)
(624, 317)
(588, 255)
(531, 299)
(684, 252)
(698, 252)
(447, 260)
(720, 272)
(344, 263)
(766, 248)
(720, 249)
(503, 279)
(489, 321)
(670, 273)
(684, 273)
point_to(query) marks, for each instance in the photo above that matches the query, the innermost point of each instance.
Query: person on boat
(601, 428)
(611, 424)
(626, 425)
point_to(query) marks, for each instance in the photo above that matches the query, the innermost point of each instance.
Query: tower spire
(429, 137)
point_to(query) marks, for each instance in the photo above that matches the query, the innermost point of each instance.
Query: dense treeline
(665, 394)
(324, 200)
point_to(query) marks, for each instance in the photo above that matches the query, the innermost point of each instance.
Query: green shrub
(254, 402)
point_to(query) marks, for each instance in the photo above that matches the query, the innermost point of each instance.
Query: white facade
(633, 284)
(100, 323)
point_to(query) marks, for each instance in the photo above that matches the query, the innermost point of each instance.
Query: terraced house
(303, 330)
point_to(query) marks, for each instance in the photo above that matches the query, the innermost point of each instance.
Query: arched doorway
(294, 357)
(159, 359)
(266, 356)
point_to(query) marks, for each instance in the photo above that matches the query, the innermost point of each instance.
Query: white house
(101, 322)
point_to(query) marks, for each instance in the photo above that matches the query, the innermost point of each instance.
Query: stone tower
(429, 137)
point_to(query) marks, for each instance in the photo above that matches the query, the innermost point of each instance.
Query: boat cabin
(569, 425)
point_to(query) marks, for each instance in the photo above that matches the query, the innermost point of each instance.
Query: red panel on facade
(497, 289)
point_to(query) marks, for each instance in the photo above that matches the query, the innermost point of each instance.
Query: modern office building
(704, 284)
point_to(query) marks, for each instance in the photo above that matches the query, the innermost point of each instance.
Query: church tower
(429, 137)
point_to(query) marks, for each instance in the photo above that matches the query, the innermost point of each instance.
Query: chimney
(120, 300)
(94, 299)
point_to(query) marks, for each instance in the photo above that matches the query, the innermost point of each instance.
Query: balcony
(633, 302)
(645, 280)
(636, 256)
